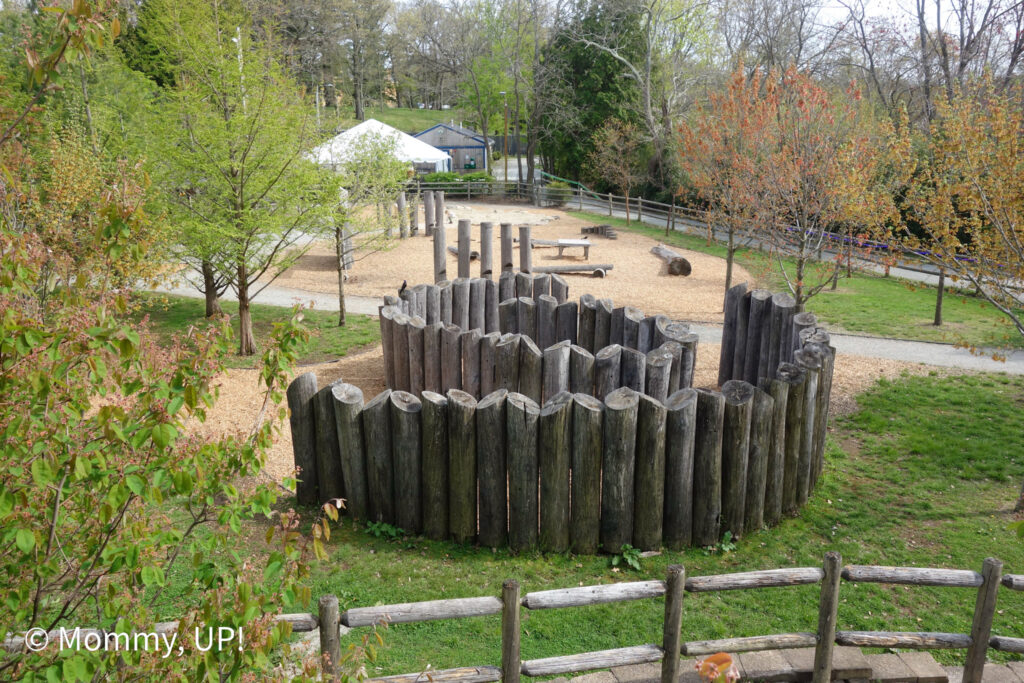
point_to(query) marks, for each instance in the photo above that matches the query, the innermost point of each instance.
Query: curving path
(929, 353)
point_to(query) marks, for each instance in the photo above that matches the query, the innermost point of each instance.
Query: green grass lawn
(925, 474)
(867, 303)
(170, 315)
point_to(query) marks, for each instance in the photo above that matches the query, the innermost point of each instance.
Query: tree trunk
(627, 207)
(339, 250)
(210, 290)
(938, 298)
(246, 341)
(729, 255)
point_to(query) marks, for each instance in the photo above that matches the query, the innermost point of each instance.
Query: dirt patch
(638, 279)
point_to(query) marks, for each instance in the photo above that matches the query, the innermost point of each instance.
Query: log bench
(564, 244)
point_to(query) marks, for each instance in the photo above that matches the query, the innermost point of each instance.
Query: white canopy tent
(407, 148)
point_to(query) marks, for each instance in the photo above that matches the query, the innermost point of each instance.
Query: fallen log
(677, 265)
(595, 269)
(473, 255)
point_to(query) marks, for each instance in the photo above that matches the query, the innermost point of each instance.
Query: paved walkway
(940, 355)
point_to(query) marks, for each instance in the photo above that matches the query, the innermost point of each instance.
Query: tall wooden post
(486, 250)
(507, 264)
(671, 637)
(739, 403)
(981, 626)
(440, 255)
(303, 423)
(405, 454)
(434, 422)
(428, 213)
(680, 432)
(827, 612)
(510, 632)
(492, 469)
(618, 468)
(403, 219)
(554, 454)
(330, 638)
(522, 417)
(462, 491)
(587, 418)
(707, 468)
(525, 249)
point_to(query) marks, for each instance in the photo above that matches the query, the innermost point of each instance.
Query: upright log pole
(460, 303)
(795, 377)
(707, 468)
(671, 641)
(555, 455)
(432, 357)
(526, 317)
(733, 298)
(380, 483)
(740, 352)
(429, 216)
(587, 418)
(618, 468)
(478, 305)
(330, 637)
(981, 625)
(616, 334)
(487, 250)
(632, 318)
(566, 316)
(465, 227)
(739, 404)
(470, 343)
(507, 263)
(525, 249)
(522, 417)
(602, 324)
(524, 285)
(776, 466)
(649, 500)
(634, 369)
(559, 288)
(403, 219)
(488, 363)
(348, 404)
(506, 286)
(434, 422)
(531, 370)
(757, 460)
(405, 454)
(581, 370)
(511, 658)
(492, 469)
(462, 491)
(445, 289)
(386, 316)
(507, 370)
(439, 212)
(555, 368)
(440, 253)
(810, 361)
(302, 419)
(492, 321)
(828, 609)
(546, 306)
(680, 432)
(417, 365)
(607, 371)
(588, 313)
(330, 479)
(658, 373)
(758, 318)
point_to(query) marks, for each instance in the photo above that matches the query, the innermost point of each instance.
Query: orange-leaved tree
(616, 157)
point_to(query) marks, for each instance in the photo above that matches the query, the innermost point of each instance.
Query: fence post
(510, 654)
(827, 610)
(671, 643)
(609, 204)
(981, 627)
(330, 641)
(580, 190)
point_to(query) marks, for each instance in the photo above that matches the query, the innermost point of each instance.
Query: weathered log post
(828, 362)
(566, 316)
(581, 370)
(542, 285)
(525, 249)
(491, 319)
(649, 497)
(478, 305)
(795, 377)
(508, 322)
(531, 369)
(302, 418)
(559, 288)
(488, 363)
(506, 286)
(522, 417)
(429, 217)
(707, 468)
(440, 252)
(810, 361)
(524, 285)
(607, 371)
(733, 298)
(546, 306)
(783, 310)
(757, 460)
(585, 501)
(674, 261)
(432, 357)
(445, 289)
(434, 423)
(403, 224)
(981, 624)
(451, 358)
(461, 466)
(415, 341)
(380, 484)
(487, 250)
(511, 657)
(618, 465)
(588, 313)
(400, 350)
(506, 371)
(672, 635)
(507, 263)
(330, 479)
(675, 351)
(617, 326)
(682, 372)
(348, 404)
(465, 227)
(433, 304)
(439, 212)
(634, 369)
(739, 403)
(470, 343)
(386, 316)
(555, 455)
(802, 321)
(414, 217)
(645, 341)
(405, 454)
(330, 637)
(680, 433)
(658, 374)
(632, 317)
(492, 469)
(758, 318)
(555, 368)
(740, 352)
(526, 317)
(776, 467)
(460, 303)
(602, 324)
(828, 612)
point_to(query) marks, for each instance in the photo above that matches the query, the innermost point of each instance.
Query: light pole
(504, 152)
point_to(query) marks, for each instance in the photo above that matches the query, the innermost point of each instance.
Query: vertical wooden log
(649, 500)
(417, 362)
(492, 469)
(658, 374)
(348, 404)
(488, 363)
(405, 454)
(445, 288)
(707, 468)
(432, 357)
(470, 343)
(555, 454)
(764, 367)
(302, 419)
(440, 253)
(783, 309)
(414, 217)
(566, 316)
(795, 377)
(542, 285)
(634, 369)
(330, 479)
(607, 371)
(521, 429)
(524, 285)
(433, 304)
(400, 350)
(330, 637)
(645, 340)
(559, 288)
(526, 317)
(421, 300)
(506, 286)
(460, 303)
(428, 215)
(581, 370)
(680, 435)
(757, 460)
(439, 212)
(464, 229)
(632, 318)
(802, 321)
(511, 661)
(981, 625)
(828, 610)
(675, 351)
(434, 423)
(602, 325)
(828, 360)
(487, 250)
(525, 250)
(555, 369)
(733, 297)
(739, 404)
(760, 305)
(585, 498)
(672, 639)
(507, 316)
(546, 306)
(615, 334)
(491, 320)
(451, 358)
(507, 263)
(588, 314)
(380, 485)
(461, 466)
(386, 316)
(618, 468)
(507, 369)
(740, 352)
(810, 361)
(403, 218)
(531, 369)
(478, 305)
(776, 467)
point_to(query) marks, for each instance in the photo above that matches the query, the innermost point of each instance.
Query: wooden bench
(564, 244)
